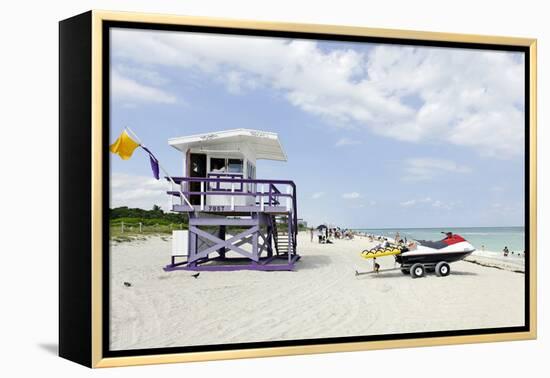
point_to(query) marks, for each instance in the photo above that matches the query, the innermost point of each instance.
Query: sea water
(492, 239)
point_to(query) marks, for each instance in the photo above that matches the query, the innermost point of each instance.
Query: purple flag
(154, 162)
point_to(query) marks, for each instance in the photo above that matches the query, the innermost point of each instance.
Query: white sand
(323, 298)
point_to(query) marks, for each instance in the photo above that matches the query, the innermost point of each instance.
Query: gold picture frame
(89, 268)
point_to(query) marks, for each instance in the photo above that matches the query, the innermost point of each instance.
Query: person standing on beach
(397, 237)
(375, 266)
(506, 251)
(311, 234)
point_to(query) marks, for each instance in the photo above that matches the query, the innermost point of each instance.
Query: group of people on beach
(507, 252)
(325, 234)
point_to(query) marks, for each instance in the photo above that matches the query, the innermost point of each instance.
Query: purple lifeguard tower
(236, 221)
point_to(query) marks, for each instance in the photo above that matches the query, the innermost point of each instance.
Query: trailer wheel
(442, 269)
(417, 270)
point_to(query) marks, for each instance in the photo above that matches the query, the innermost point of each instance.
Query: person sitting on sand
(320, 236)
(506, 251)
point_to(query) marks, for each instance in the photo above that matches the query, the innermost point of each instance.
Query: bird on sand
(196, 275)
(127, 284)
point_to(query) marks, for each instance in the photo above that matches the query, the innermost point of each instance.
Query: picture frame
(86, 133)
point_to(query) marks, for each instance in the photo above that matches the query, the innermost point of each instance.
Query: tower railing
(267, 194)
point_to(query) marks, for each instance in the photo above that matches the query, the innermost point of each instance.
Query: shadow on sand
(383, 275)
(462, 273)
(313, 262)
(395, 275)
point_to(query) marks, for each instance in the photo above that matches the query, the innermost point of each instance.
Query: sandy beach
(322, 298)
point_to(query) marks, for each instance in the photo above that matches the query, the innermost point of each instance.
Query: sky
(376, 135)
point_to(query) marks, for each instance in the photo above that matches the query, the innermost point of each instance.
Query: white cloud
(126, 89)
(142, 74)
(138, 191)
(428, 201)
(470, 98)
(236, 82)
(361, 205)
(443, 205)
(507, 209)
(467, 97)
(415, 202)
(437, 203)
(346, 142)
(352, 195)
(317, 195)
(423, 169)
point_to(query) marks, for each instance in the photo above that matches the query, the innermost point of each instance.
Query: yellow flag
(124, 146)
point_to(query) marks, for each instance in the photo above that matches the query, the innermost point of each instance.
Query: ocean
(492, 238)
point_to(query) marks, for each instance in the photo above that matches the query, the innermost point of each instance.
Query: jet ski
(450, 249)
(419, 255)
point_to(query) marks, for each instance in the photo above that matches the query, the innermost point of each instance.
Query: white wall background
(28, 131)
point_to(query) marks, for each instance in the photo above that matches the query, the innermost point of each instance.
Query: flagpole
(133, 134)
(162, 169)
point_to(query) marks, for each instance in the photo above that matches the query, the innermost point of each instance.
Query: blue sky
(376, 135)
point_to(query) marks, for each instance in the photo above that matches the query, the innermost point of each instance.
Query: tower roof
(264, 144)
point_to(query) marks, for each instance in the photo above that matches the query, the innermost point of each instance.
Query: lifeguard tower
(236, 221)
